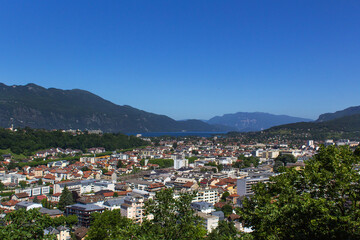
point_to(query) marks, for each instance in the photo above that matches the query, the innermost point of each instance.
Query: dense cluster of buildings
(127, 180)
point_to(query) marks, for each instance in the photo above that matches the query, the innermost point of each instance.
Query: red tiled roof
(188, 184)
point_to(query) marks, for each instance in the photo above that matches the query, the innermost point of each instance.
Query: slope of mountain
(342, 113)
(341, 128)
(38, 107)
(256, 121)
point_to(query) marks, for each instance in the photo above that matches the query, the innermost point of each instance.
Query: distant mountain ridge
(254, 121)
(37, 107)
(339, 114)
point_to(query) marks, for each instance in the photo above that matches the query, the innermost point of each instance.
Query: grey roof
(26, 204)
(50, 212)
(86, 207)
(51, 231)
(114, 202)
(62, 228)
(201, 205)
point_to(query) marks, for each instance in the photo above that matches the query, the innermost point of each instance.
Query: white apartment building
(180, 163)
(133, 208)
(208, 195)
(35, 191)
(209, 221)
(12, 178)
(85, 186)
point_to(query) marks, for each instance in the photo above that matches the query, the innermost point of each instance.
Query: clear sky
(189, 58)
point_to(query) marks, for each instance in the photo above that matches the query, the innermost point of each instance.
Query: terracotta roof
(234, 195)
(108, 194)
(9, 203)
(40, 197)
(219, 204)
(188, 184)
(22, 195)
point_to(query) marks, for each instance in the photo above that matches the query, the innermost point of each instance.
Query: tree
(22, 224)
(227, 210)
(23, 184)
(85, 168)
(36, 200)
(120, 164)
(318, 202)
(12, 165)
(40, 182)
(2, 186)
(224, 196)
(111, 225)
(286, 158)
(224, 231)
(115, 194)
(174, 218)
(66, 198)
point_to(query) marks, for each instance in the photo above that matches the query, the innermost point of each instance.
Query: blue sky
(188, 58)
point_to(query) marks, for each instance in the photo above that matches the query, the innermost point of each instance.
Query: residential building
(209, 195)
(83, 212)
(35, 191)
(244, 185)
(61, 232)
(27, 205)
(209, 221)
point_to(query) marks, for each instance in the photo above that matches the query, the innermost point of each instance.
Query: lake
(177, 134)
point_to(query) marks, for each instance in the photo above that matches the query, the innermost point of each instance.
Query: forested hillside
(26, 141)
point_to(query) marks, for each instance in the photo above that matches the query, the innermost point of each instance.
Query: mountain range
(254, 121)
(38, 107)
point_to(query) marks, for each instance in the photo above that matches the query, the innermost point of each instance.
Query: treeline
(27, 141)
(163, 163)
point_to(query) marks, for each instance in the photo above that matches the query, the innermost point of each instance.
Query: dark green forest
(27, 141)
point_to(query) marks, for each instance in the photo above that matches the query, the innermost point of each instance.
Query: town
(220, 171)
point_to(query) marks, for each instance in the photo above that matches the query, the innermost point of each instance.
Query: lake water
(178, 134)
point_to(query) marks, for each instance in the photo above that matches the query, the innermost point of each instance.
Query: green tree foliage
(224, 196)
(22, 224)
(227, 210)
(319, 202)
(245, 162)
(286, 158)
(12, 165)
(84, 169)
(2, 186)
(192, 159)
(174, 218)
(66, 198)
(120, 164)
(111, 225)
(224, 231)
(36, 200)
(27, 140)
(40, 182)
(163, 163)
(22, 184)
(64, 221)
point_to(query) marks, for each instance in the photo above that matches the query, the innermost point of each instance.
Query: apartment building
(83, 212)
(244, 185)
(208, 195)
(85, 186)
